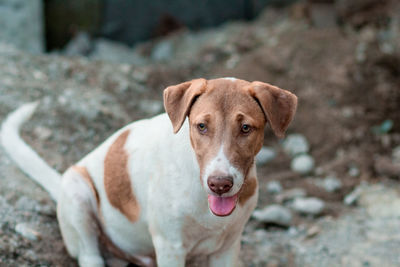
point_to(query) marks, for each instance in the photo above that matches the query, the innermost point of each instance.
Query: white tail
(27, 159)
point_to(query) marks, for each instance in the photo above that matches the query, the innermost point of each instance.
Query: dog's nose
(220, 184)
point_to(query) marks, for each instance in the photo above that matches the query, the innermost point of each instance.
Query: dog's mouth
(222, 206)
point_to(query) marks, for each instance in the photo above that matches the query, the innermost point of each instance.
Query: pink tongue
(222, 206)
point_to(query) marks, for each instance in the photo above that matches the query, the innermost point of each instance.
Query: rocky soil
(329, 192)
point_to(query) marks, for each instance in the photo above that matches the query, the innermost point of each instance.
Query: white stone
(265, 155)
(396, 154)
(274, 187)
(26, 231)
(295, 144)
(309, 206)
(274, 214)
(302, 164)
(332, 184)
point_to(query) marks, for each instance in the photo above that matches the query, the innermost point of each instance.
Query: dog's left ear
(278, 105)
(178, 100)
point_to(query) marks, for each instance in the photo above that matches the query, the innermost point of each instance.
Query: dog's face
(227, 118)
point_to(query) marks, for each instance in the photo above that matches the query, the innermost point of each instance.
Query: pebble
(331, 184)
(351, 199)
(43, 133)
(275, 214)
(354, 171)
(302, 164)
(26, 231)
(309, 206)
(162, 51)
(295, 144)
(396, 154)
(313, 231)
(291, 194)
(274, 187)
(265, 155)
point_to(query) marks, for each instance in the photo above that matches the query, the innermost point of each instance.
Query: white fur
(232, 79)
(174, 221)
(220, 165)
(23, 155)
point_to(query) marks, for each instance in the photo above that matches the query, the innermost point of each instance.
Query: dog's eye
(245, 128)
(202, 127)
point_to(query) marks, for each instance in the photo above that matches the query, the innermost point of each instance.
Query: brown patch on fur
(278, 105)
(224, 107)
(248, 190)
(117, 181)
(88, 179)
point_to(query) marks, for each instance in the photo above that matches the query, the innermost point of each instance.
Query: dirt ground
(346, 76)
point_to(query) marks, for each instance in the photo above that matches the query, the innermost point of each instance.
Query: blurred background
(329, 191)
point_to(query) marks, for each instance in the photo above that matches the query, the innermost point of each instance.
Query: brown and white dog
(154, 197)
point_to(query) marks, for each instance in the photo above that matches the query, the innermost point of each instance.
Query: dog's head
(227, 118)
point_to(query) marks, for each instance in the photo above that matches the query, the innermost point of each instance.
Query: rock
(302, 164)
(80, 45)
(22, 24)
(26, 231)
(308, 206)
(43, 133)
(291, 194)
(162, 51)
(295, 144)
(274, 214)
(354, 171)
(313, 231)
(265, 155)
(331, 184)
(396, 154)
(351, 199)
(274, 187)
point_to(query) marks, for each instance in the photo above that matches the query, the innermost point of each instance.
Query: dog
(163, 190)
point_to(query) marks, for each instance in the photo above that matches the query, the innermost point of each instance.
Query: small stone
(396, 154)
(274, 187)
(291, 194)
(80, 45)
(309, 206)
(43, 133)
(26, 231)
(302, 164)
(162, 51)
(313, 231)
(265, 155)
(354, 171)
(274, 214)
(295, 144)
(331, 184)
(351, 199)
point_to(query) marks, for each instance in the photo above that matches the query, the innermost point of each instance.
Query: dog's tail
(27, 159)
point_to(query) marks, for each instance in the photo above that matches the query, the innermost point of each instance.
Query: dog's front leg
(228, 257)
(169, 253)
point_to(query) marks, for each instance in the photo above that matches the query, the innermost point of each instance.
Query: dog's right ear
(178, 100)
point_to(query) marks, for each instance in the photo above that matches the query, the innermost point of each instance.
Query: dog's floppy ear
(278, 105)
(179, 98)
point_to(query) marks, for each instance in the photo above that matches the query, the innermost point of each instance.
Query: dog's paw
(91, 261)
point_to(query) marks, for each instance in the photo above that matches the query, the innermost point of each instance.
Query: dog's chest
(201, 238)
